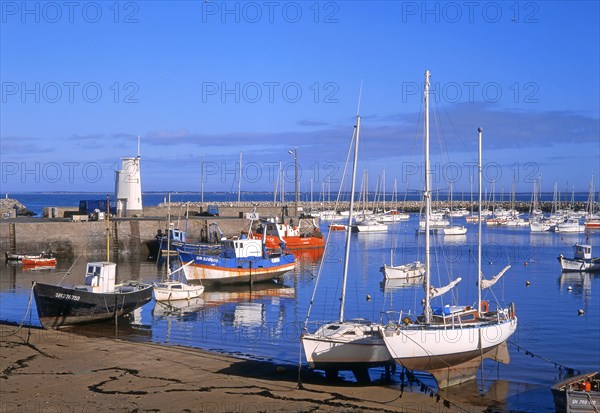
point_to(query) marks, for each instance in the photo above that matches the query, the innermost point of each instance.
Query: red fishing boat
(44, 259)
(294, 237)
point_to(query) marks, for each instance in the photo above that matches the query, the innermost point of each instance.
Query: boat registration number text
(67, 296)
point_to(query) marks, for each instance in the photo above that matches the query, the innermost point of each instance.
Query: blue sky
(208, 80)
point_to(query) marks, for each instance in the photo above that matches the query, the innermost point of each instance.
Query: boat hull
(214, 270)
(579, 265)
(402, 272)
(363, 348)
(188, 292)
(295, 242)
(39, 261)
(60, 306)
(570, 395)
(438, 347)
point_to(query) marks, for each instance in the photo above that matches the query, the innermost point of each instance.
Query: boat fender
(485, 306)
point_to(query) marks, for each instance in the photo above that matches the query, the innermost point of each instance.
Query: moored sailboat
(346, 344)
(449, 342)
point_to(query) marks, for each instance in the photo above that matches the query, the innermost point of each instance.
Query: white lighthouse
(128, 187)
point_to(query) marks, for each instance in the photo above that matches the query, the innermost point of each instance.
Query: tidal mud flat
(66, 372)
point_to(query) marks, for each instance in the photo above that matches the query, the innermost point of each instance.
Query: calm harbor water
(266, 322)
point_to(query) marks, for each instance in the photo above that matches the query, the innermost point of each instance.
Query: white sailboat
(449, 342)
(172, 289)
(346, 344)
(411, 272)
(453, 229)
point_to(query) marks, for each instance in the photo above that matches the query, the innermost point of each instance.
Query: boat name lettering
(583, 402)
(209, 259)
(68, 296)
(274, 259)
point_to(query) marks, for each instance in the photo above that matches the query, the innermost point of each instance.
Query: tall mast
(107, 227)
(479, 171)
(202, 182)
(169, 236)
(427, 196)
(349, 226)
(240, 180)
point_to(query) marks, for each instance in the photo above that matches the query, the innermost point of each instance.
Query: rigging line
(460, 139)
(27, 312)
(327, 242)
(70, 268)
(556, 364)
(413, 378)
(440, 134)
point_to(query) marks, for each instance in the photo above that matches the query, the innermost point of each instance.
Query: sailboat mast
(349, 226)
(202, 182)
(107, 227)
(169, 236)
(427, 196)
(480, 170)
(240, 181)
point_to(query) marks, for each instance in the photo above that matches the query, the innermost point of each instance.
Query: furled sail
(434, 292)
(489, 283)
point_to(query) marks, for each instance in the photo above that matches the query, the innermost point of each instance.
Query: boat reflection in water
(391, 284)
(178, 307)
(312, 255)
(225, 316)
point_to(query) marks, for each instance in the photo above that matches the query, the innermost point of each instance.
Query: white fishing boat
(449, 342)
(345, 344)
(582, 261)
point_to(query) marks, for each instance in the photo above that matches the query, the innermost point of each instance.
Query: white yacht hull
(439, 347)
(331, 347)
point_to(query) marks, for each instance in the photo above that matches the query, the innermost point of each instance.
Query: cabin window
(467, 317)
(176, 287)
(90, 269)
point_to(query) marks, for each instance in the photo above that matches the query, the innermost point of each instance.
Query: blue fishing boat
(241, 260)
(177, 241)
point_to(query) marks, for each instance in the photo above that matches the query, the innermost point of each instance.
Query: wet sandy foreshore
(60, 371)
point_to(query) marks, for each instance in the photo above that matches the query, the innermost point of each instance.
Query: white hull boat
(352, 345)
(450, 342)
(175, 290)
(455, 230)
(414, 269)
(581, 262)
